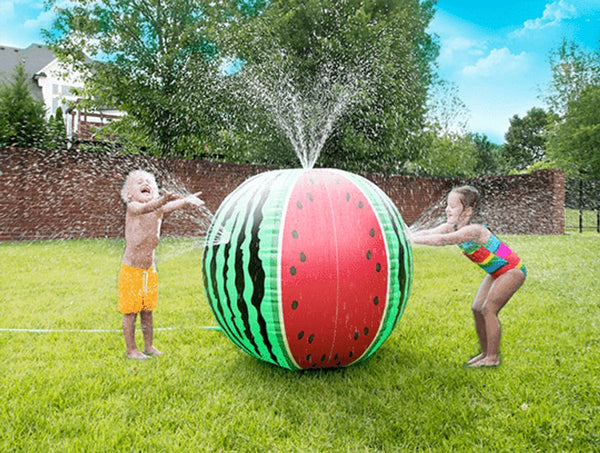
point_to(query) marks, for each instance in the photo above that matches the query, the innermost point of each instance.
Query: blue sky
(494, 52)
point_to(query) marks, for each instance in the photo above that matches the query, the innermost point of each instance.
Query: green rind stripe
(399, 255)
(270, 254)
(220, 263)
(249, 314)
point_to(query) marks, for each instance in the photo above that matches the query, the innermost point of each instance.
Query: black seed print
(294, 304)
(356, 334)
(309, 196)
(369, 254)
(376, 300)
(308, 358)
(335, 357)
(372, 232)
(378, 267)
(360, 205)
(300, 334)
(294, 234)
(351, 354)
(293, 270)
(347, 196)
(323, 357)
(366, 331)
(299, 204)
(311, 338)
(302, 257)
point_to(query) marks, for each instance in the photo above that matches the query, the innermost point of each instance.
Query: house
(52, 83)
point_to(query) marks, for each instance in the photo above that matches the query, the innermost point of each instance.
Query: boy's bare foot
(137, 355)
(153, 351)
(476, 359)
(486, 361)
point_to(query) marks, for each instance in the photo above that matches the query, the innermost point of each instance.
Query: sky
(494, 52)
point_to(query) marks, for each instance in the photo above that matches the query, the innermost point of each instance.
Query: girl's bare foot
(477, 358)
(153, 351)
(137, 355)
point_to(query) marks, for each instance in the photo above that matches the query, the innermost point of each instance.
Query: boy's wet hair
(469, 195)
(128, 179)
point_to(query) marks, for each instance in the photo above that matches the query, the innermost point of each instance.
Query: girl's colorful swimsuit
(494, 256)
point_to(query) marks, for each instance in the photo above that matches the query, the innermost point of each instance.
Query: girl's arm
(443, 228)
(440, 229)
(467, 233)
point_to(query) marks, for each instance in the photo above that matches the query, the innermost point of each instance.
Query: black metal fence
(582, 201)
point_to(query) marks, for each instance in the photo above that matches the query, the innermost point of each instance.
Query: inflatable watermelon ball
(307, 268)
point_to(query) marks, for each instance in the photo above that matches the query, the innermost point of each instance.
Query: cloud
(499, 61)
(459, 45)
(43, 20)
(553, 14)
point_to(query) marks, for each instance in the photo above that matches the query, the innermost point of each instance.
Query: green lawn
(71, 389)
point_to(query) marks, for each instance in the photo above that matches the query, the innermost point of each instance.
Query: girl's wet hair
(469, 196)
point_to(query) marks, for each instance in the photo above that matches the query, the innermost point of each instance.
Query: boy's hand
(194, 200)
(169, 196)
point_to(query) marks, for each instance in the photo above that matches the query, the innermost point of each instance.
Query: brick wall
(72, 194)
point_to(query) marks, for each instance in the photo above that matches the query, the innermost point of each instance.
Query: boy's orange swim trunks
(138, 289)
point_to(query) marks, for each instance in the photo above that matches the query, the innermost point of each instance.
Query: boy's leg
(129, 332)
(148, 331)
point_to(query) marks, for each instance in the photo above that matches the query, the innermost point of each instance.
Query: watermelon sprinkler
(308, 268)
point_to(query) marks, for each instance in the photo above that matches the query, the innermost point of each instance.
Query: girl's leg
(480, 298)
(499, 294)
(148, 331)
(129, 332)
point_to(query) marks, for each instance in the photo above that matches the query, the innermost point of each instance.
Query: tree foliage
(377, 50)
(22, 121)
(573, 70)
(576, 142)
(162, 63)
(574, 135)
(153, 59)
(526, 139)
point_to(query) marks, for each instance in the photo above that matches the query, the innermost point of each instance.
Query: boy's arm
(182, 201)
(137, 208)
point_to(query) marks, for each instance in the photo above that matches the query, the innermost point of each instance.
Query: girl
(505, 271)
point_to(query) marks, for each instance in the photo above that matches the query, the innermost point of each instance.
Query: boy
(138, 281)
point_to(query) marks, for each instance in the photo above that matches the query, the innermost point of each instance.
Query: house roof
(34, 58)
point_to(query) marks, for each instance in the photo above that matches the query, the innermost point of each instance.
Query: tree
(576, 142)
(526, 139)
(446, 112)
(572, 71)
(449, 154)
(365, 65)
(56, 137)
(488, 155)
(153, 59)
(573, 95)
(22, 121)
